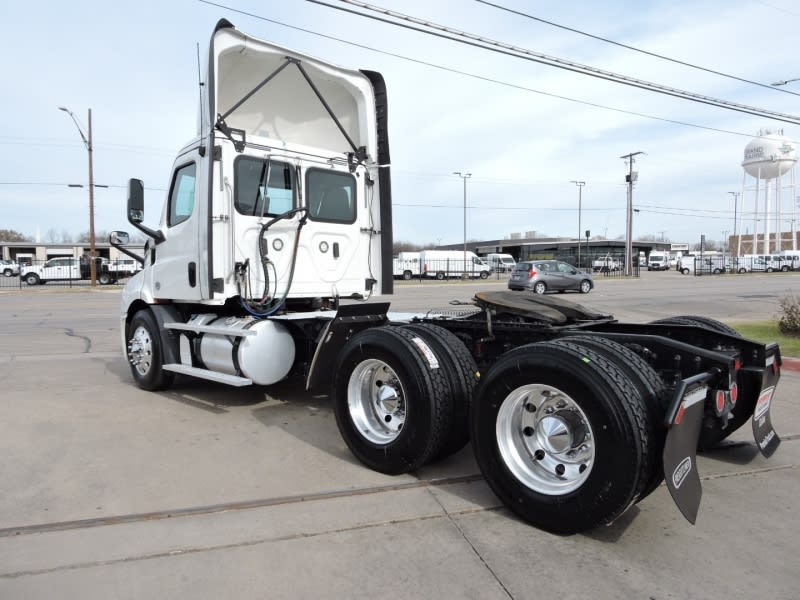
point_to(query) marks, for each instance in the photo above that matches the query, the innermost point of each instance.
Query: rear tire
(32, 279)
(104, 279)
(440, 276)
(407, 275)
(539, 287)
(561, 436)
(652, 389)
(463, 376)
(8, 272)
(391, 400)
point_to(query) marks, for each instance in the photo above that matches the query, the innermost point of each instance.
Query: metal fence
(604, 265)
(64, 272)
(701, 265)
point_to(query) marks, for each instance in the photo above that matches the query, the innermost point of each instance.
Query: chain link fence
(65, 272)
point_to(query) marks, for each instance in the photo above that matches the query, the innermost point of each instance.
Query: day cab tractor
(272, 252)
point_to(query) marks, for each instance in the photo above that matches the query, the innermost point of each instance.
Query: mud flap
(765, 436)
(680, 451)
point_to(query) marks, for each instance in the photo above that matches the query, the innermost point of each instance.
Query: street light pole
(735, 220)
(87, 141)
(629, 226)
(464, 176)
(580, 185)
(785, 81)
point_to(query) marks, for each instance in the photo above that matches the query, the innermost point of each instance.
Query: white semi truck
(277, 225)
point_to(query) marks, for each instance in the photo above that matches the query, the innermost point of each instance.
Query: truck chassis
(573, 416)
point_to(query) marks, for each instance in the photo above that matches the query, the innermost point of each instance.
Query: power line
(484, 43)
(475, 76)
(634, 49)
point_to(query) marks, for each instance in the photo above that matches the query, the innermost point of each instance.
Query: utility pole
(629, 178)
(735, 221)
(465, 176)
(580, 185)
(88, 143)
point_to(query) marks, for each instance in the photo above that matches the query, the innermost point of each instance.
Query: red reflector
(734, 393)
(720, 401)
(737, 364)
(679, 415)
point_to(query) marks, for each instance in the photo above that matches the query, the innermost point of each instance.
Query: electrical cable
(634, 49)
(498, 47)
(478, 77)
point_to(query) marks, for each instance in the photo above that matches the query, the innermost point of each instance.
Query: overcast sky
(134, 64)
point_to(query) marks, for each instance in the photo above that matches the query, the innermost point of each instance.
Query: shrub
(789, 321)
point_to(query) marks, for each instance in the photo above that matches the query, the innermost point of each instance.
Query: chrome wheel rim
(545, 439)
(376, 401)
(140, 350)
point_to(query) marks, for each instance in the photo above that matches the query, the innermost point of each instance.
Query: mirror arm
(124, 250)
(157, 236)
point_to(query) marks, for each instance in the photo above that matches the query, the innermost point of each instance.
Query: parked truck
(277, 226)
(66, 268)
(448, 264)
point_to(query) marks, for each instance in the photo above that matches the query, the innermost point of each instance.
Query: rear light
(531, 272)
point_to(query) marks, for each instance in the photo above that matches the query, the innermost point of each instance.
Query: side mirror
(135, 201)
(119, 238)
(136, 210)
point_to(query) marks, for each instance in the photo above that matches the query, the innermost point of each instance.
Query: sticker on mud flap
(681, 471)
(426, 350)
(762, 406)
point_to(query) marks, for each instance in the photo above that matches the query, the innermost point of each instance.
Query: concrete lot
(206, 491)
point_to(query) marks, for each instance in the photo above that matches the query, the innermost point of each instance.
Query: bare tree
(9, 235)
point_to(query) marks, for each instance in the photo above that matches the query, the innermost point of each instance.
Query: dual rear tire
(564, 434)
(402, 395)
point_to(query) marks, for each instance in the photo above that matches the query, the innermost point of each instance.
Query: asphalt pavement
(206, 491)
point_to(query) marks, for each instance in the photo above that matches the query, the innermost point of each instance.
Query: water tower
(767, 158)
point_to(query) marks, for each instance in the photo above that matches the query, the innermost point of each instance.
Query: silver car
(549, 275)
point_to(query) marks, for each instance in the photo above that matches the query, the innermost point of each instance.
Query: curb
(790, 364)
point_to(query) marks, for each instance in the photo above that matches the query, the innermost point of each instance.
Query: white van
(658, 261)
(443, 264)
(406, 265)
(501, 263)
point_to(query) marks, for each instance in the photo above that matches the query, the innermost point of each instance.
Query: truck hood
(268, 93)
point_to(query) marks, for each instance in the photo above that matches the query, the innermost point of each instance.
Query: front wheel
(484, 274)
(561, 436)
(145, 353)
(391, 400)
(32, 279)
(586, 286)
(406, 275)
(742, 270)
(785, 268)
(685, 271)
(104, 279)
(540, 287)
(439, 275)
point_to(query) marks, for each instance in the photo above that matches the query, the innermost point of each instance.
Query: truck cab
(281, 194)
